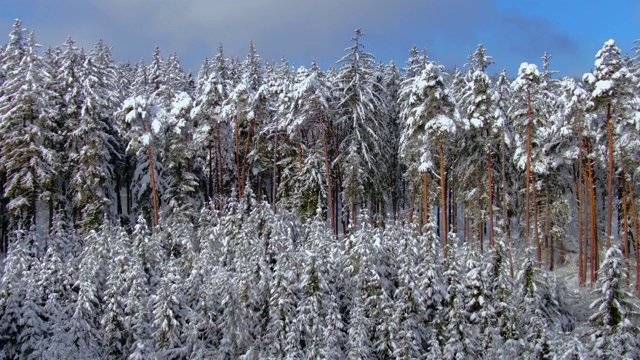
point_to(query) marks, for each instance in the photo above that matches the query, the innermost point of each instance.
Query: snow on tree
(428, 122)
(478, 144)
(91, 144)
(14, 290)
(613, 333)
(26, 157)
(361, 131)
(211, 92)
(246, 108)
(168, 313)
(308, 170)
(611, 85)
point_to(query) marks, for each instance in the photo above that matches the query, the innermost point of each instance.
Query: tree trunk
(245, 158)
(413, 204)
(210, 184)
(238, 164)
(536, 226)
(299, 148)
(505, 212)
(547, 233)
(443, 192)
(625, 226)
(634, 214)
(594, 227)
(610, 179)
(219, 157)
(528, 175)
(581, 241)
(425, 185)
(154, 193)
(274, 196)
(490, 177)
(327, 168)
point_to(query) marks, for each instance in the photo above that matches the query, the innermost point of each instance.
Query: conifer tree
(360, 145)
(26, 157)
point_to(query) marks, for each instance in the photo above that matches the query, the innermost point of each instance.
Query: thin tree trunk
(274, 195)
(625, 221)
(210, 185)
(536, 232)
(299, 148)
(51, 210)
(625, 226)
(594, 228)
(219, 157)
(245, 158)
(425, 184)
(443, 192)
(327, 168)
(238, 164)
(413, 204)
(634, 214)
(547, 233)
(490, 177)
(154, 193)
(528, 174)
(610, 179)
(505, 212)
(581, 247)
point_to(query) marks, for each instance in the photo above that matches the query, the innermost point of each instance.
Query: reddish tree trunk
(610, 179)
(444, 197)
(489, 175)
(634, 214)
(425, 184)
(528, 176)
(219, 157)
(581, 241)
(154, 193)
(327, 168)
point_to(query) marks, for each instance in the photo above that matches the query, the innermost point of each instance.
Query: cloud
(298, 30)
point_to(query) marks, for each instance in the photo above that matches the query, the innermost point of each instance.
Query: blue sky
(513, 31)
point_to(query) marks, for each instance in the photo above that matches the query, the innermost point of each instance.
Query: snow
(527, 70)
(145, 139)
(602, 88)
(181, 103)
(156, 124)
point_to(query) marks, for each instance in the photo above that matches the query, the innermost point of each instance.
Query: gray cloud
(297, 29)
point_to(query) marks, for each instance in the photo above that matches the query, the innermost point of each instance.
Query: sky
(512, 31)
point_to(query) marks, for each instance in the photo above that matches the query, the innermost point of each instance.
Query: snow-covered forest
(367, 210)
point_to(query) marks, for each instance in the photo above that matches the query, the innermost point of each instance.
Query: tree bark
(490, 177)
(536, 232)
(245, 157)
(154, 193)
(327, 168)
(594, 227)
(238, 164)
(219, 157)
(581, 241)
(634, 214)
(547, 233)
(528, 175)
(610, 179)
(274, 195)
(425, 185)
(443, 193)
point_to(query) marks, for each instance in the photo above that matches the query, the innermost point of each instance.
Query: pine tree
(360, 144)
(613, 335)
(428, 123)
(91, 145)
(610, 85)
(26, 158)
